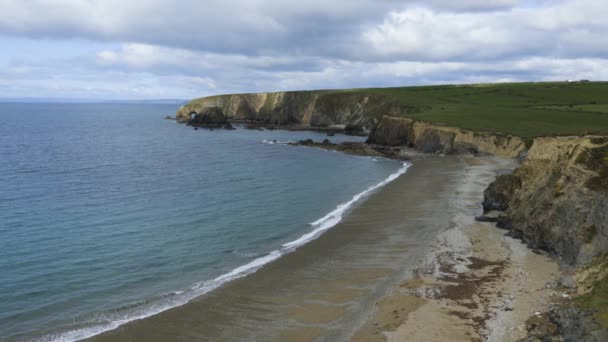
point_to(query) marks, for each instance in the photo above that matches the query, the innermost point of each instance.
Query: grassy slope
(523, 109)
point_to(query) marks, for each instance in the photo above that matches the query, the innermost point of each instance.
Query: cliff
(314, 109)
(557, 199)
(433, 138)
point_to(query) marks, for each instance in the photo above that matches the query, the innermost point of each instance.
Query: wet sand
(328, 288)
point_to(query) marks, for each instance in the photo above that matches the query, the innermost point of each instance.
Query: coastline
(318, 228)
(466, 277)
(326, 288)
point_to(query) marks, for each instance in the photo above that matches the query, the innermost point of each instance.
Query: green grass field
(522, 109)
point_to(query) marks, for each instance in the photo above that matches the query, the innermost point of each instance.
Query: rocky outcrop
(557, 199)
(581, 318)
(352, 111)
(355, 148)
(210, 117)
(433, 138)
(498, 193)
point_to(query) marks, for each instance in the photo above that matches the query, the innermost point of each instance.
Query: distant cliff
(314, 109)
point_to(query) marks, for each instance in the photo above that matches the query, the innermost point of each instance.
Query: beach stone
(568, 282)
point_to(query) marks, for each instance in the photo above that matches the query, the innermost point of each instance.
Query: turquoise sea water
(109, 213)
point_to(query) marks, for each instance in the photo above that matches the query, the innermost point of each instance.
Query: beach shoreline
(466, 277)
(476, 285)
(325, 289)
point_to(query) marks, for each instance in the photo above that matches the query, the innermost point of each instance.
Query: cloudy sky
(151, 49)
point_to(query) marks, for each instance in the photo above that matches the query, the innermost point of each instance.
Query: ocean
(109, 214)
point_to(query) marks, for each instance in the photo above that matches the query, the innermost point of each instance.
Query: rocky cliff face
(431, 138)
(307, 108)
(557, 199)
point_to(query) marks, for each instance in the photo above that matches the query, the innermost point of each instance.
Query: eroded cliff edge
(433, 138)
(350, 111)
(557, 200)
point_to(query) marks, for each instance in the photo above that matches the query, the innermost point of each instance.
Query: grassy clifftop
(522, 109)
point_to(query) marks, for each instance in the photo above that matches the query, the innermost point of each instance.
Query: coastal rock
(210, 117)
(565, 323)
(484, 218)
(498, 193)
(562, 203)
(353, 112)
(433, 138)
(578, 325)
(354, 148)
(435, 141)
(393, 131)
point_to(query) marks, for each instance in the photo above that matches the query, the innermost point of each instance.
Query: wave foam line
(335, 216)
(110, 323)
(272, 142)
(182, 297)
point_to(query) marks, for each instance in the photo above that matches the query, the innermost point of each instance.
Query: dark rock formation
(565, 323)
(313, 109)
(484, 218)
(556, 200)
(499, 192)
(210, 117)
(436, 141)
(392, 131)
(430, 138)
(354, 148)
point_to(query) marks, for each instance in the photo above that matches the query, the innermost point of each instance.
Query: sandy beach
(476, 285)
(410, 263)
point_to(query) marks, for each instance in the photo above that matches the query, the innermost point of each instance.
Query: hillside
(522, 109)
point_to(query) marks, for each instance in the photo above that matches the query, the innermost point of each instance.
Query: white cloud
(571, 28)
(161, 48)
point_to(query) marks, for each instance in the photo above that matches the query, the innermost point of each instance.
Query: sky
(161, 49)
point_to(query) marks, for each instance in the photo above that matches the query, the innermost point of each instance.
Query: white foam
(272, 142)
(335, 216)
(179, 298)
(106, 323)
